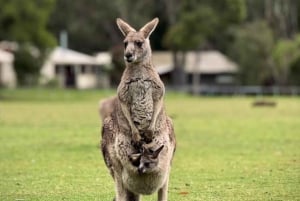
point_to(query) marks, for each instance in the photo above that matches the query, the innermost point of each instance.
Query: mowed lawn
(226, 149)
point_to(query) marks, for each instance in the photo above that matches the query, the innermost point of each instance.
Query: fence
(246, 90)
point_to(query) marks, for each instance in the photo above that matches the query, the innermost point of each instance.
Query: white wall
(86, 81)
(8, 75)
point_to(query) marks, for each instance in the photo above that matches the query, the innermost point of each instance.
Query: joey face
(136, 43)
(147, 164)
(146, 161)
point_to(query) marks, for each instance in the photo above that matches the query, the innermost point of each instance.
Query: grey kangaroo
(136, 117)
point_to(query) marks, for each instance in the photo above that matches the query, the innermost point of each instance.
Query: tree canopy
(26, 22)
(260, 35)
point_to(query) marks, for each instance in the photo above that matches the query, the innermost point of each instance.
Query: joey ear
(156, 152)
(134, 157)
(149, 27)
(124, 27)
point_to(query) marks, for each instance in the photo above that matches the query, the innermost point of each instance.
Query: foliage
(252, 50)
(184, 25)
(201, 21)
(26, 22)
(91, 25)
(51, 148)
(295, 72)
(27, 66)
(192, 29)
(285, 53)
(199, 26)
(281, 15)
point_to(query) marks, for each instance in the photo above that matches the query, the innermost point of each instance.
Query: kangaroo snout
(128, 57)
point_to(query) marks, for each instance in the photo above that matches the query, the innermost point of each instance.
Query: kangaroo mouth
(129, 60)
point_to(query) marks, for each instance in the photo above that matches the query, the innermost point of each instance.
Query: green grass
(227, 150)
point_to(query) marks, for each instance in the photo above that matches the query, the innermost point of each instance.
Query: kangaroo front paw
(148, 136)
(137, 145)
(136, 136)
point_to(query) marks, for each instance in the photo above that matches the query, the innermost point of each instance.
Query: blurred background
(200, 46)
(60, 57)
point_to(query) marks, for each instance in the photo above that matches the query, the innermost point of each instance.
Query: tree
(200, 24)
(26, 23)
(285, 55)
(282, 17)
(189, 33)
(91, 25)
(252, 49)
(294, 78)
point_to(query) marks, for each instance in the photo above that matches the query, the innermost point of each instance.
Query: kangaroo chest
(140, 92)
(141, 107)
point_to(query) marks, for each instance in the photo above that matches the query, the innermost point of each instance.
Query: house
(212, 67)
(104, 59)
(163, 63)
(73, 69)
(7, 71)
(205, 67)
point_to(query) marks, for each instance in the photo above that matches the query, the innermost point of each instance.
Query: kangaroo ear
(149, 27)
(156, 153)
(124, 27)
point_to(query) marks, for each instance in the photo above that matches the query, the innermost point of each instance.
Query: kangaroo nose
(129, 57)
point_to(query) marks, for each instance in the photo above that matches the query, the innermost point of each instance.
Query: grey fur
(135, 116)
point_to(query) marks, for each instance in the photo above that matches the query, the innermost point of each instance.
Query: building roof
(6, 57)
(208, 62)
(162, 61)
(66, 56)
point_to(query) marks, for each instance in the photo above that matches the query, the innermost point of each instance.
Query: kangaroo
(135, 118)
(140, 91)
(147, 160)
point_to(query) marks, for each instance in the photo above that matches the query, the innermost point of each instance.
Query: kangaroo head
(136, 43)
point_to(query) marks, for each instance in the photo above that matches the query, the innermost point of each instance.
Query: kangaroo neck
(140, 70)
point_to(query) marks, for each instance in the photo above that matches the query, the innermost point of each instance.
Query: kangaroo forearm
(156, 110)
(126, 113)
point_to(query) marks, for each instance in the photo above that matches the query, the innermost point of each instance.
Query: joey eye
(139, 43)
(125, 44)
(147, 165)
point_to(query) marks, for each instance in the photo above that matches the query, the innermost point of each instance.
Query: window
(83, 69)
(58, 69)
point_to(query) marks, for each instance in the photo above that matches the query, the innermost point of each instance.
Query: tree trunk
(178, 74)
(282, 16)
(196, 75)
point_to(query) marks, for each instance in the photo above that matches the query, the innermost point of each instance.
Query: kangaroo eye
(125, 44)
(139, 43)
